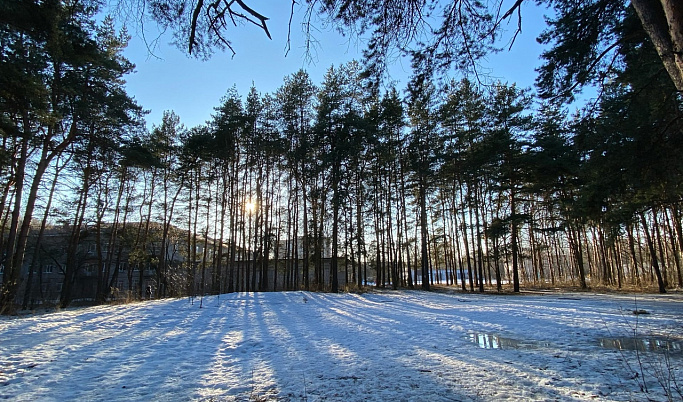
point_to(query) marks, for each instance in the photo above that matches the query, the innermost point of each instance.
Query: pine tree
(62, 82)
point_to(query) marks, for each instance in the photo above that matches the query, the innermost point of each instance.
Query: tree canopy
(448, 33)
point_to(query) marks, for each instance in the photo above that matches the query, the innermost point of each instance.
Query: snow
(377, 346)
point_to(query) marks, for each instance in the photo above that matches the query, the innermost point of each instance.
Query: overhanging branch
(236, 10)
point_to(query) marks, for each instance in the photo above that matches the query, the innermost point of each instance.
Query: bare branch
(517, 6)
(193, 25)
(260, 17)
(519, 28)
(216, 13)
(288, 46)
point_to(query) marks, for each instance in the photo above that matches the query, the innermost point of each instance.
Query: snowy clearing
(300, 346)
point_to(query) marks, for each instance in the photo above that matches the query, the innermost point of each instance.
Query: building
(106, 264)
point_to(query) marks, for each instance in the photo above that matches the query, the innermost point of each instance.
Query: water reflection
(490, 341)
(643, 344)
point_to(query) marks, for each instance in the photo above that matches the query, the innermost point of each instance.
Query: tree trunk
(514, 247)
(653, 254)
(574, 237)
(423, 233)
(635, 277)
(676, 216)
(663, 22)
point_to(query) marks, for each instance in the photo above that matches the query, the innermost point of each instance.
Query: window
(49, 268)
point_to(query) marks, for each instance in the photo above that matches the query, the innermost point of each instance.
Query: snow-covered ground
(379, 346)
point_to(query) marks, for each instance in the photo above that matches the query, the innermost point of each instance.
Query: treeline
(456, 184)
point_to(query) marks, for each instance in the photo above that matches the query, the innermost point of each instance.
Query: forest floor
(375, 346)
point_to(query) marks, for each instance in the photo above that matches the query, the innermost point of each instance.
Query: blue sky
(168, 79)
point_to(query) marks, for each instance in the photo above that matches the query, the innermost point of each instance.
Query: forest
(446, 182)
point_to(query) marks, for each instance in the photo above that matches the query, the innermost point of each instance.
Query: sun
(249, 206)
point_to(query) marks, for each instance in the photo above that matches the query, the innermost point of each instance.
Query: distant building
(289, 246)
(123, 269)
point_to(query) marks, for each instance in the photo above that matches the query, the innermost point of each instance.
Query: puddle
(491, 341)
(643, 344)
